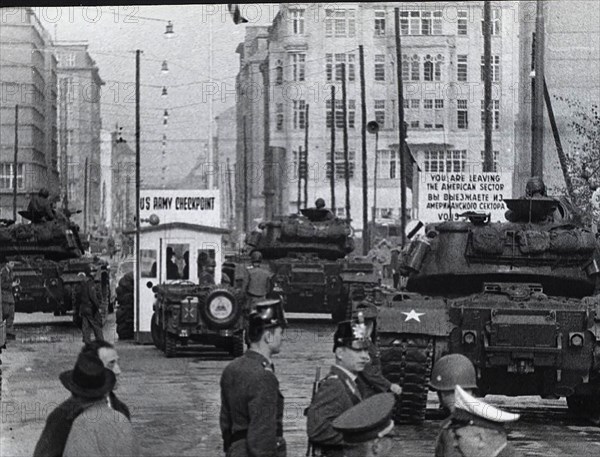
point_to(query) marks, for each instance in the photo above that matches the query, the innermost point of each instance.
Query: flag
(234, 9)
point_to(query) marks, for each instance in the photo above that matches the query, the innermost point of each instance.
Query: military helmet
(44, 192)
(320, 203)
(453, 370)
(535, 185)
(368, 310)
(256, 256)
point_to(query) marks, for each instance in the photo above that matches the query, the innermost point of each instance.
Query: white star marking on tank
(413, 315)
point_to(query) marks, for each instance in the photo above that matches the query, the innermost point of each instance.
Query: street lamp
(165, 68)
(164, 92)
(373, 127)
(169, 33)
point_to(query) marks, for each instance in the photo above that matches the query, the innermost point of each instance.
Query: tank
(307, 254)
(515, 297)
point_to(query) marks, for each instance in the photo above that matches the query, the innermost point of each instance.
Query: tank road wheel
(409, 365)
(237, 345)
(170, 345)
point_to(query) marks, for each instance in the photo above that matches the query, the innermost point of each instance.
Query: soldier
(207, 273)
(8, 299)
(371, 381)
(369, 423)
(338, 392)
(39, 208)
(325, 213)
(259, 279)
(89, 308)
(251, 417)
(474, 429)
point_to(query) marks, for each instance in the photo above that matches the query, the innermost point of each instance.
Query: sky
(202, 32)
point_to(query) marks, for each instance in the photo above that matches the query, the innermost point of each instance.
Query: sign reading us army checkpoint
(462, 192)
(191, 206)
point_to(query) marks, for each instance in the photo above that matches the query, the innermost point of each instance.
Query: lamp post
(137, 186)
(373, 127)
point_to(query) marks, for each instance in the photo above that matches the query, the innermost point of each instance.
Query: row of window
(451, 161)
(6, 176)
(341, 23)
(430, 115)
(414, 68)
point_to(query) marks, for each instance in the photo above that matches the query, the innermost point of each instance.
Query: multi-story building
(79, 84)
(123, 184)
(28, 79)
(106, 197)
(442, 55)
(225, 152)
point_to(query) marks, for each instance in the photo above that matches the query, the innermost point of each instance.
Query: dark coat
(259, 282)
(371, 381)
(251, 406)
(466, 435)
(58, 424)
(40, 209)
(337, 393)
(88, 301)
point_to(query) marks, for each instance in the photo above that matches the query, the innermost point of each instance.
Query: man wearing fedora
(338, 392)
(251, 417)
(89, 308)
(85, 424)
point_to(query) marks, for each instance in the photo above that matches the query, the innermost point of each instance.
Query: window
(148, 263)
(379, 23)
(414, 124)
(421, 22)
(68, 59)
(496, 24)
(495, 68)
(415, 62)
(297, 21)
(279, 73)
(279, 116)
(439, 61)
(298, 66)
(439, 103)
(428, 104)
(462, 114)
(348, 59)
(380, 67)
(495, 115)
(453, 161)
(495, 164)
(340, 212)
(428, 68)
(415, 103)
(340, 23)
(351, 113)
(462, 23)
(339, 112)
(405, 66)
(461, 67)
(388, 165)
(340, 172)
(299, 114)
(405, 103)
(6, 176)
(380, 113)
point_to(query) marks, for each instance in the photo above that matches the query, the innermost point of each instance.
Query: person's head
(350, 346)
(368, 423)
(186, 257)
(44, 193)
(256, 257)
(107, 353)
(210, 266)
(89, 378)
(320, 203)
(265, 326)
(450, 371)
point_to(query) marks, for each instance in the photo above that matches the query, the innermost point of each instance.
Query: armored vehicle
(514, 297)
(186, 313)
(307, 254)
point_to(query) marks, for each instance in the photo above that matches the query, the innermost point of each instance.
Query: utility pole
(15, 162)
(305, 168)
(366, 244)
(229, 191)
(63, 144)
(85, 196)
(346, 153)
(137, 185)
(488, 154)
(401, 132)
(332, 156)
(537, 104)
(269, 179)
(245, 218)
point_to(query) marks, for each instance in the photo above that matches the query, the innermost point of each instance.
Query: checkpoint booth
(179, 231)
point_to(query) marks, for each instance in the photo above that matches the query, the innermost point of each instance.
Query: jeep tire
(170, 345)
(224, 296)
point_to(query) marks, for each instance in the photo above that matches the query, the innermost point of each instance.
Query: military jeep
(187, 314)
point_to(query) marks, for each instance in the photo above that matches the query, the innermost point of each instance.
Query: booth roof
(184, 226)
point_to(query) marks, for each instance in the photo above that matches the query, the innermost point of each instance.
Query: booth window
(148, 263)
(203, 256)
(176, 264)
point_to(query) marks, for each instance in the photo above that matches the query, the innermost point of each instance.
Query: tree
(584, 158)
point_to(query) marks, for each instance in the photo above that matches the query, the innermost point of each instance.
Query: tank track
(409, 364)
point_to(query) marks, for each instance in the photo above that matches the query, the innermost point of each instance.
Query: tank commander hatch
(40, 208)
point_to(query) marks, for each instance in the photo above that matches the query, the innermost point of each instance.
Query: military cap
(268, 314)
(351, 334)
(368, 310)
(368, 420)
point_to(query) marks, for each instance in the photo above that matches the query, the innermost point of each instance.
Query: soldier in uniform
(8, 299)
(371, 381)
(89, 308)
(338, 392)
(369, 423)
(474, 428)
(259, 279)
(207, 273)
(325, 213)
(251, 417)
(40, 208)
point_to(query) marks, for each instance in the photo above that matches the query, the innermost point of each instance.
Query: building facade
(442, 56)
(123, 184)
(225, 150)
(28, 78)
(79, 85)
(106, 196)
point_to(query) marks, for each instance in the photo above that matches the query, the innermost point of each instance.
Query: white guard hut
(187, 234)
